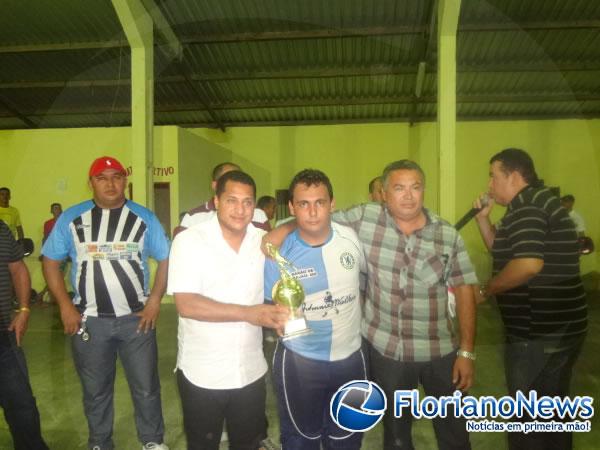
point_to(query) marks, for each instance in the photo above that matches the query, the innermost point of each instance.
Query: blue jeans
(16, 397)
(528, 367)
(95, 361)
(304, 390)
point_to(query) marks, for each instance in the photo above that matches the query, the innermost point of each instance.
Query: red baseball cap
(106, 162)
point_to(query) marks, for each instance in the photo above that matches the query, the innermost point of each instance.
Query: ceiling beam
(16, 113)
(161, 24)
(63, 46)
(271, 123)
(327, 33)
(463, 118)
(427, 43)
(224, 38)
(529, 26)
(392, 120)
(200, 93)
(380, 31)
(175, 51)
(527, 98)
(372, 71)
(301, 103)
(306, 34)
(533, 67)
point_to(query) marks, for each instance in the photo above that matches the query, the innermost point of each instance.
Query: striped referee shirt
(109, 249)
(406, 307)
(551, 306)
(10, 252)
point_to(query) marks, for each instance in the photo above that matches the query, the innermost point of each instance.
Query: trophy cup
(288, 292)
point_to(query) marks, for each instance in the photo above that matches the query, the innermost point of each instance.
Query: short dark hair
(218, 169)
(372, 184)
(264, 201)
(310, 177)
(567, 198)
(5, 189)
(403, 164)
(55, 204)
(237, 176)
(517, 160)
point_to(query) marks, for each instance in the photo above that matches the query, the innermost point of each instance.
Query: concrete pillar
(448, 12)
(138, 27)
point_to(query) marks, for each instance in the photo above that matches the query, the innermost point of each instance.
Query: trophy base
(295, 328)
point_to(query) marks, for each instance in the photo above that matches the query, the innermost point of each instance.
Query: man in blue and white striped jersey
(109, 240)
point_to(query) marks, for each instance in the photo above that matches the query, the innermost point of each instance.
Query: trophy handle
(284, 264)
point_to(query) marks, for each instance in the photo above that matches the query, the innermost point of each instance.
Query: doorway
(162, 205)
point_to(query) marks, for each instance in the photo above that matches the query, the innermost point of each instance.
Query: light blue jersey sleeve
(156, 243)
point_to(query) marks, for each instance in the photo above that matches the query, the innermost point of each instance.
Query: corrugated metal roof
(100, 64)
(283, 61)
(302, 54)
(319, 114)
(234, 16)
(519, 46)
(29, 23)
(514, 11)
(311, 89)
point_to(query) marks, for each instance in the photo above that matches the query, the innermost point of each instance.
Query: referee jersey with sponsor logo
(329, 274)
(109, 249)
(551, 306)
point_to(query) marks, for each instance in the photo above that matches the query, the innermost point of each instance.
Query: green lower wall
(44, 166)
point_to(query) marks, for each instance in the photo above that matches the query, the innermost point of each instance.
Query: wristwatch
(465, 354)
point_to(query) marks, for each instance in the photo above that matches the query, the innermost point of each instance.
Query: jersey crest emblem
(347, 260)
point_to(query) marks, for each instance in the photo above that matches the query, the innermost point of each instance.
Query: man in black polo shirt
(537, 285)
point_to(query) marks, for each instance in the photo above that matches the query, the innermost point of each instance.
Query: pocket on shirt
(430, 271)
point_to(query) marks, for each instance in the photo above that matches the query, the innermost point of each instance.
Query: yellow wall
(566, 153)
(197, 157)
(256, 150)
(351, 155)
(45, 166)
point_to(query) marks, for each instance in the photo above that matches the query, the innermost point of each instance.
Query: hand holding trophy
(288, 292)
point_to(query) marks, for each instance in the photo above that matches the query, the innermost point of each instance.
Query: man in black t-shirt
(537, 284)
(16, 398)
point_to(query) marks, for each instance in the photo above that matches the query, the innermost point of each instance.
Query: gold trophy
(288, 292)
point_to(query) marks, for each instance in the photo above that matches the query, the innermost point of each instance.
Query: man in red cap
(114, 311)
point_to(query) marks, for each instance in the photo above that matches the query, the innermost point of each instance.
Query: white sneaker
(154, 446)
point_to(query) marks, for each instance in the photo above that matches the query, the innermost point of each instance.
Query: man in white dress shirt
(216, 276)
